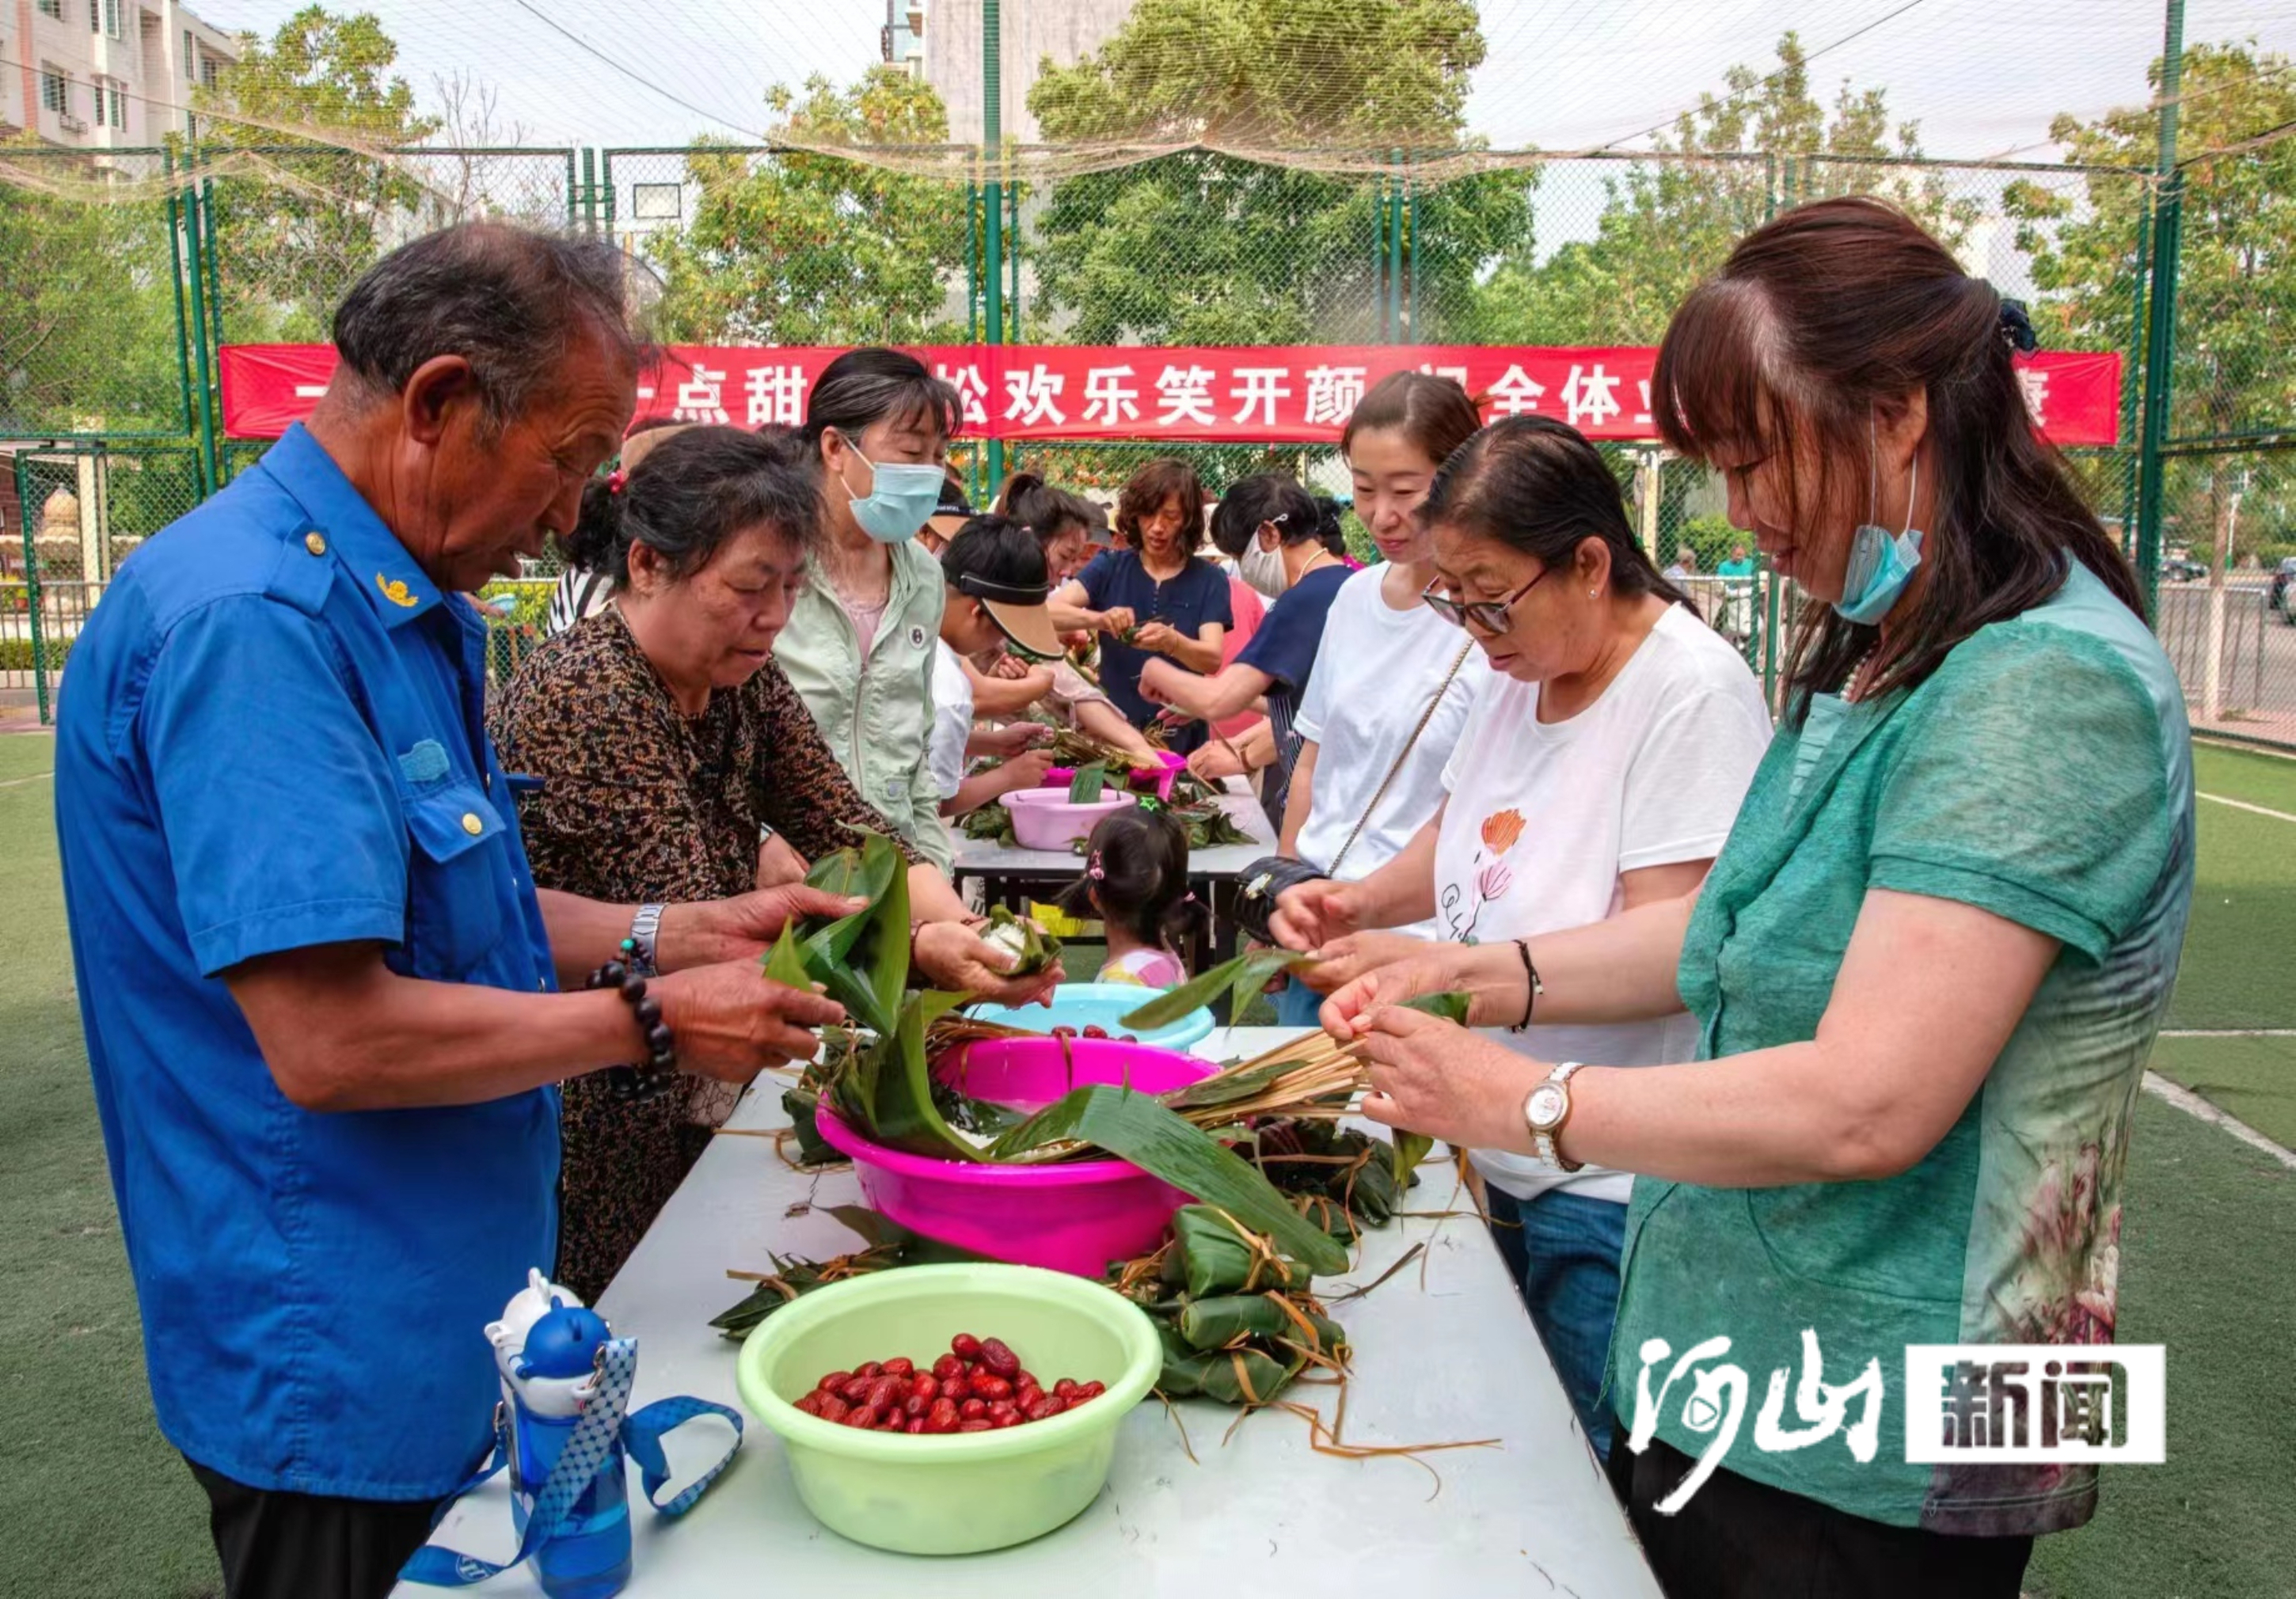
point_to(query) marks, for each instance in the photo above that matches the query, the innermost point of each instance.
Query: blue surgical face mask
(1881, 563)
(901, 499)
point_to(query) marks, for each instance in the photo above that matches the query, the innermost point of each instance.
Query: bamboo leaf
(1410, 1150)
(1228, 1086)
(1085, 787)
(1136, 1128)
(1451, 1007)
(1241, 977)
(894, 1097)
(785, 962)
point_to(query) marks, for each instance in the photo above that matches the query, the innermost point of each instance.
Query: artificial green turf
(2240, 949)
(95, 1502)
(2246, 774)
(26, 755)
(2207, 1233)
(2254, 1079)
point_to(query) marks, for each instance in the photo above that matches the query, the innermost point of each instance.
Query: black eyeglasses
(1492, 616)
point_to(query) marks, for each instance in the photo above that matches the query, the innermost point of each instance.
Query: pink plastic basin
(1074, 1217)
(1044, 819)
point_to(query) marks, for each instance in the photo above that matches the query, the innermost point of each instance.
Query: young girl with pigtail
(1136, 882)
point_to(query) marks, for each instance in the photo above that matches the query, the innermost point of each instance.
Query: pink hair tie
(1095, 870)
(616, 481)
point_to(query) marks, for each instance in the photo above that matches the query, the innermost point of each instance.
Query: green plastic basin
(957, 1493)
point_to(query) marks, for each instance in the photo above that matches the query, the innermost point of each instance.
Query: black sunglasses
(1492, 616)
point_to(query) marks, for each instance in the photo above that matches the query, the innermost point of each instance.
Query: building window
(52, 92)
(190, 57)
(118, 108)
(97, 89)
(111, 24)
(53, 8)
(207, 70)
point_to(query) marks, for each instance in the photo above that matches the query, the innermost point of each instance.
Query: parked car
(2182, 569)
(2278, 599)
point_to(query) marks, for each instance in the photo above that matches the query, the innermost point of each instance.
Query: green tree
(1203, 248)
(800, 248)
(1668, 223)
(88, 340)
(303, 126)
(2236, 275)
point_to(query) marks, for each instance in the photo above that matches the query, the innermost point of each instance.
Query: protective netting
(1169, 172)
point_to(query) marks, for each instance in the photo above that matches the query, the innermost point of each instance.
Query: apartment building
(1031, 32)
(99, 74)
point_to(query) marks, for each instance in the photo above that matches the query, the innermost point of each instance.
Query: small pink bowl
(1043, 818)
(1075, 1216)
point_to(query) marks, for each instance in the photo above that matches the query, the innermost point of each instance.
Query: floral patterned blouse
(640, 804)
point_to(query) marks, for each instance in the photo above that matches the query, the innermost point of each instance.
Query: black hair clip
(2017, 327)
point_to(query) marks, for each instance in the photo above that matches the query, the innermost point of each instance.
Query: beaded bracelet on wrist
(659, 1071)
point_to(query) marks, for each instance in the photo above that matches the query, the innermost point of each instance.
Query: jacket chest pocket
(454, 910)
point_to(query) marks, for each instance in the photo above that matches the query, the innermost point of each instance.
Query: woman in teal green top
(1928, 965)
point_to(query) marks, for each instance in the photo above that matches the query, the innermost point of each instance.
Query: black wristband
(1532, 986)
(661, 1070)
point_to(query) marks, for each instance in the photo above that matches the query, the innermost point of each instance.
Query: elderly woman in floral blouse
(670, 747)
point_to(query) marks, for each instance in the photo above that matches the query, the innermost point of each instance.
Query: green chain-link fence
(740, 245)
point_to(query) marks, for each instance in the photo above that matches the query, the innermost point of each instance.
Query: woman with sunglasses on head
(1927, 969)
(1599, 770)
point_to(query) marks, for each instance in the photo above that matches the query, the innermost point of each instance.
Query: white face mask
(1263, 568)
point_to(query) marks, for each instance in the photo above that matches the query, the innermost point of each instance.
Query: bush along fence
(154, 263)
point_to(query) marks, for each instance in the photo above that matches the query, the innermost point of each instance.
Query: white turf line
(2193, 1104)
(2278, 816)
(43, 776)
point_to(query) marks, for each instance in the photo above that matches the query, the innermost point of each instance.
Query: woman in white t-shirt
(1601, 768)
(1393, 682)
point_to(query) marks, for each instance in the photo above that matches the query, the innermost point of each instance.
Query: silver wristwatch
(645, 928)
(1544, 1109)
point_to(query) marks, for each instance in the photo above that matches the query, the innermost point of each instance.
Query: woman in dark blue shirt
(1265, 521)
(1155, 598)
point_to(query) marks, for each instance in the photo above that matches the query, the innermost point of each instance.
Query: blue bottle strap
(588, 1448)
(643, 1434)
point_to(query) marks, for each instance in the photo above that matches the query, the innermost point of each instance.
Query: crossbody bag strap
(1396, 770)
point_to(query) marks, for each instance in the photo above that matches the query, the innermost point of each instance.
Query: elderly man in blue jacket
(321, 993)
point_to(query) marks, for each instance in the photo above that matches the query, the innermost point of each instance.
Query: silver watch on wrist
(645, 928)
(1544, 1109)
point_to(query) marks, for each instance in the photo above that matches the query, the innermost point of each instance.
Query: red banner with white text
(1286, 394)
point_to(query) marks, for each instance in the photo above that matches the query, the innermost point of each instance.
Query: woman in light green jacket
(860, 643)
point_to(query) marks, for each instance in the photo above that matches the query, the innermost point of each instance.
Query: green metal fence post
(992, 149)
(972, 261)
(182, 320)
(2132, 387)
(1411, 226)
(2161, 339)
(1395, 252)
(214, 265)
(574, 209)
(601, 198)
(1013, 254)
(195, 245)
(32, 587)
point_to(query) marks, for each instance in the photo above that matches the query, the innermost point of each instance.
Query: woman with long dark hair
(1926, 971)
(1598, 770)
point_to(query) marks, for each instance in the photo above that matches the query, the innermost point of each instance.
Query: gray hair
(508, 299)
